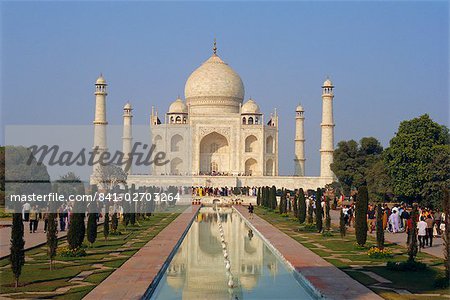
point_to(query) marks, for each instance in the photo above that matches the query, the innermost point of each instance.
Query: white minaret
(299, 142)
(100, 117)
(127, 137)
(327, 125)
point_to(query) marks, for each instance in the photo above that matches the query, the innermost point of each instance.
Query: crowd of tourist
(202, 191)
(397, 219)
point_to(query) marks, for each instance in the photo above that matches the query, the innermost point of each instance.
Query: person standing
(430, 224)
(371, 218)
(422, 232)
(26, 211)
(33, 219)
(250, 211)
(437, 220)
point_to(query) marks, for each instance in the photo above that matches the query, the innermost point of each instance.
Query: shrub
(68, 252)
(310, 227)
(327, 233)
(441, 282)
(376, 252)
(406, 266)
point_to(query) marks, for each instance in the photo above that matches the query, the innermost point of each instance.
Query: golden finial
(215, 47)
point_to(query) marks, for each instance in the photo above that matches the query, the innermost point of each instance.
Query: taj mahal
(215, 138)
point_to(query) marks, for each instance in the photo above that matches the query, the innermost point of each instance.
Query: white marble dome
(214, 84)
(250, 107)
(178, 107)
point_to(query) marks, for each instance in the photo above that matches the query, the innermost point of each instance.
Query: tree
(114, 222)
(273, 197)
(412, 238)
(295, 205)
(109, 176)
(361, 216)
(77, 231)
(23, 174)
(282, 205)
(17, 256)
(438, 177)
(342, 228)
(133, 206)
(301, 206)
(69, 184)
(52, 237)
(92, 226)
(327, 214)
(258, 197)
(378, 182)
(106, 224)
(351, 161)
(379, 224)
(319, 210)
(52, 230)
(409, 155)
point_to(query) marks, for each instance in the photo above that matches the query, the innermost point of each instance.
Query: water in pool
(199, 268)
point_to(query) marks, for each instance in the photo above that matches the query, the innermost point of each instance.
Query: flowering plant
(375, 252)
(67, 252)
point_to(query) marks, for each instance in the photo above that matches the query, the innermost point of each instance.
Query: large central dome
(214, 86)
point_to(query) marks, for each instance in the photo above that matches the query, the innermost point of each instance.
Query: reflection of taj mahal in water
(214, 132)
(197, 270)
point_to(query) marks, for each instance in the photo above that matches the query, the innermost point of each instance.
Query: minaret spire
(127, 138)
(299, 141)
(100, 122)
(327, 125)
(215, 47)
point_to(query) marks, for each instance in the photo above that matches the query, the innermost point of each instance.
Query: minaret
(127, 138)
(100, 118)
(299, 142)
(327, 125)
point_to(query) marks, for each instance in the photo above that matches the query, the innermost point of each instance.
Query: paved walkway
(31, 239)
(329, 280)
(134, 277)
(399, 238)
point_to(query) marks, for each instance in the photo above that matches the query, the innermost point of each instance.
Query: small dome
(299, 108)
(100, 80)
(178, 107)
(327, 83)
(250, 107)
(127, 106)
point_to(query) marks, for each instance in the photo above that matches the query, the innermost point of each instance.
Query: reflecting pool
(199, 269)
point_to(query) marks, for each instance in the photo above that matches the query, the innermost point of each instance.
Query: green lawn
(37, 281)
(352, 259)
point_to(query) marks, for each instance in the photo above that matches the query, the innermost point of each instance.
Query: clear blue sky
(388, 61)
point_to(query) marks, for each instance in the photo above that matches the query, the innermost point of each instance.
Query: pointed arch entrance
(214, 154)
